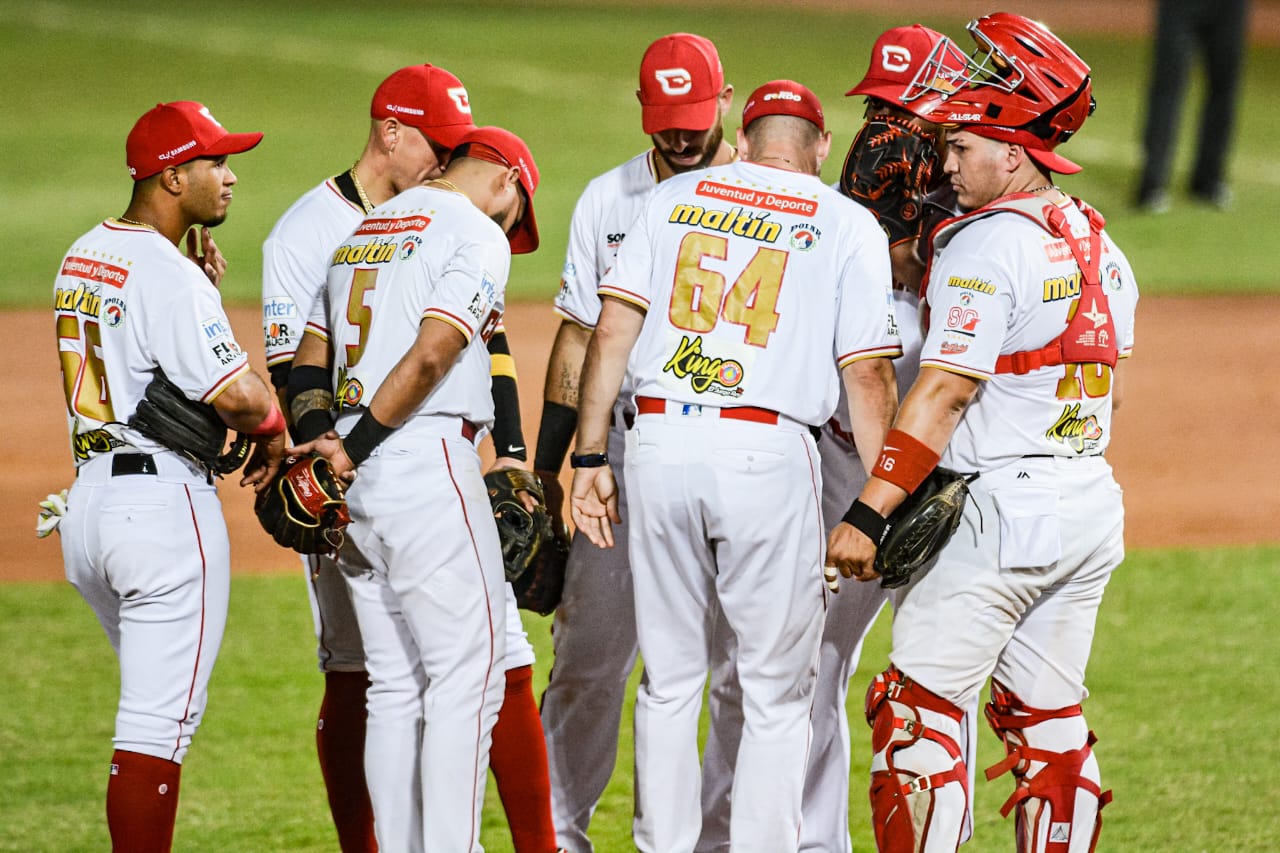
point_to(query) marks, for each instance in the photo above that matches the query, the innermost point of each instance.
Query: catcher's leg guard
(919, 785)
(1058, 794)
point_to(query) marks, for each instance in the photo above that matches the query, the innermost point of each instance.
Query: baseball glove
(888, 171)
(921, 526)
(533, 551)
(303, 507)
(193, 429)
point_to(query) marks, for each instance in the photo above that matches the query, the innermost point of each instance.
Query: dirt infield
(1193, 446)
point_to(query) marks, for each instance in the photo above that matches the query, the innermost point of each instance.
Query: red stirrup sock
(340, 745)
(142, 802)
(518, 759)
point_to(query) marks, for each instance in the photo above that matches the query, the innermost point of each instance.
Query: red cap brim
(698, 116)
(232, 143)
(1053, 162)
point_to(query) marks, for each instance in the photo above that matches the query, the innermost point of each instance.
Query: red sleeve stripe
(849, 358)
(221, 384)
(468, 331)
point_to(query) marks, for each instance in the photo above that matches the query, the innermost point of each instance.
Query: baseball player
(1030, 301)
(143, 537)
(683, 100)
(900, 56)
(418, 113)
(428, 272)
(766, 286)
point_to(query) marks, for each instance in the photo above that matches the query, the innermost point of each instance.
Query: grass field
(1185, 662)
(1183, 675)
(561, 74)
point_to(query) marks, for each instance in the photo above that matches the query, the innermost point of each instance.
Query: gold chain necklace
(444, 185)
(1041, 189)
(364, 199)
(135, 222)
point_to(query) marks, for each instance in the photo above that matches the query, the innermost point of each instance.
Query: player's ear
(726, 99)
(823, 147)
(172, 179)
(744, 150)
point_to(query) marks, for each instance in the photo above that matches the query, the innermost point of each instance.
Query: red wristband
(905, 460)
(273, 424)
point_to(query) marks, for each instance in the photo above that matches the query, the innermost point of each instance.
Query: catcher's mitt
(888, 171)
(533, 551)
(303, 507)
(193, 429)
(921, 526)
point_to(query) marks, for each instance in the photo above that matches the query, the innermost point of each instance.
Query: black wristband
(588, 460)
(555, 433)
(312, 425)
(866, 519)
(364, 437)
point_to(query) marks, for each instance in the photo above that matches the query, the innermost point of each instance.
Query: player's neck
(169, 224)
(787, 158)
(371, 182)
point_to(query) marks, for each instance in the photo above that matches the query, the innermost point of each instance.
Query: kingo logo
(895, 58)
(674, 81)
(460, 99)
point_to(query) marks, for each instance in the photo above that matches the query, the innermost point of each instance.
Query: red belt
(658, 406)
(469, 430)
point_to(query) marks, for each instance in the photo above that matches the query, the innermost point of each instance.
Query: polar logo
(674, 81)
(460, 99)
(895, 58)
(782, 96)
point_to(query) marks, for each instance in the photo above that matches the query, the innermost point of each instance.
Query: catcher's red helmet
(1021, 76)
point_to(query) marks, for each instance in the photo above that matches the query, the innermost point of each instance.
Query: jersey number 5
(84, 376)
(698, 298)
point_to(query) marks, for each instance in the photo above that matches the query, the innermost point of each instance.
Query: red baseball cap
(496, 145)
(428, 98)
(907, 62)
(680, 82)
(176, 133)
(783, 98)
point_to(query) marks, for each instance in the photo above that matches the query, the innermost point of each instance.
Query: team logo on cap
(674, 81)
(894, 57)
(460, 99)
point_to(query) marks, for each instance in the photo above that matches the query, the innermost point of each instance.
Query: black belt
(124, 464)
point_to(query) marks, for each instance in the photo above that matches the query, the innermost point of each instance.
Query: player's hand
(503, 463)
(330, 447)
(594, 502)
(264, 463)
(204, 253)
(849, 553)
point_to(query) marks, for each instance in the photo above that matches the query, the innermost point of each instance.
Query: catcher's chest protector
(1090, 335)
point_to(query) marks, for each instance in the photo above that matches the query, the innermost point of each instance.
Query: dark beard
(713, 145)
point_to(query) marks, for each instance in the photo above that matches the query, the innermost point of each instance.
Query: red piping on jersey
(204, 569)
(444, 446)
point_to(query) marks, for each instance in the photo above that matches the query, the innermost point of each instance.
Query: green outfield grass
(560, 74)
(1183, 676)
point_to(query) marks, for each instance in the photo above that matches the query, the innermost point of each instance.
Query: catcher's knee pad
(919, 784)
(1050, 753)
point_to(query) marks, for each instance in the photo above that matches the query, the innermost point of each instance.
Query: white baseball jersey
(295, 263)
(1002, 284)
(737, 316)
(605, 210)
(129, 303)
(426, 254)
